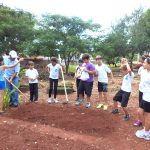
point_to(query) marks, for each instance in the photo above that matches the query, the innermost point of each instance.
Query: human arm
(112, 77)
(48, 68)
(90, 69)
(11, 66)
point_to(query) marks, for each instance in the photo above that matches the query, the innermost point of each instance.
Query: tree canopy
(70, 36)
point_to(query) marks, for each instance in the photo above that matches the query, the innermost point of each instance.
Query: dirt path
(42, 126)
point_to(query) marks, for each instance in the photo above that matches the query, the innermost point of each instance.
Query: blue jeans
(14, 96)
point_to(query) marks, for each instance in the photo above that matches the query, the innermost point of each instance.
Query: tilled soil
(45, 126)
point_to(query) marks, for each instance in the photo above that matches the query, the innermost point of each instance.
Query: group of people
(85, 77)
(85, 72)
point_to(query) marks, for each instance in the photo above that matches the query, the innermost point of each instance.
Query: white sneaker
(141, 134)
(55, 100)
(49, 100)
(88, 105)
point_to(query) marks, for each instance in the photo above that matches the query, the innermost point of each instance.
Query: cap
(13, 54)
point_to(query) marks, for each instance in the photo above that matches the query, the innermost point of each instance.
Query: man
(12, 75)
(87, 79)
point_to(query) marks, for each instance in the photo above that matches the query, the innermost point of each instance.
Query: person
(87, 79)
(54, 69)
(12, 75)
(123, 94)
(78, 75)
(140, 112)
(102, 70)
(32, 75)
(145, 103)
(2, 80)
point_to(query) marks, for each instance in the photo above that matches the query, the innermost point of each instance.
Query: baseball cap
(13, 54)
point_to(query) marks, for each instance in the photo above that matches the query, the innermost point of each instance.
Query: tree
(16, 28)
(67, 36)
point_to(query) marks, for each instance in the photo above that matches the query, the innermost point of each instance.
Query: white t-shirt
(78, 71)
(102, 73)
(32, 73)
(146, 85)
(142, 74)
(140, 69)
(54, 71)
(127, 81)
(84, 75)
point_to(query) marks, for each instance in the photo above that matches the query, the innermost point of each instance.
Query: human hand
(21, 59)
(10, 80)
(85, 70)
(112, 81)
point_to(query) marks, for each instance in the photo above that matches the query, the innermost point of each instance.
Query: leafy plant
(6, 98)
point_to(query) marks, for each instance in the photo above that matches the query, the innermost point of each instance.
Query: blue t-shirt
(10, 71)
(1, 74)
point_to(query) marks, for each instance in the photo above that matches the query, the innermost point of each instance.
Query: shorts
(140, 98)
(85, 87)
(102, 87)
(145, 106)
(122, 97)
(2, 85)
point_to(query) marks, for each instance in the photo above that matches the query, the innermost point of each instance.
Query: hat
(13, 54)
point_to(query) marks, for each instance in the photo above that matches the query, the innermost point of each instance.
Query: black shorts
(145, 106)
(122, 97)
(140, 98)
(85, 87)
(102, 87)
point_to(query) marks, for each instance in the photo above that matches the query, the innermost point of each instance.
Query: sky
(104, 12)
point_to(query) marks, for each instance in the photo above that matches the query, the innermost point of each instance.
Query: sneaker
(141, 134)
(49, 100)
(99, 106)
(126, 117)
(105, 107)
(77, 99)
(55, 100)
(79, 102)
(88, 105)
(137, 123)
(115, 111)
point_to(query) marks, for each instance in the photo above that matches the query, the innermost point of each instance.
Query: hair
(80, 61)
(124, 67)
(1, 59)
(31, 63)
(143, 57)
(54, 59)
(148, 60)
(85, 56)
(98, 57)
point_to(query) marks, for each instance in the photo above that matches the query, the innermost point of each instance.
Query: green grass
(72, 68)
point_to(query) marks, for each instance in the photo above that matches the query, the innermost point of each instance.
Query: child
(87, 79)
(140, 110)
(145, 103)
(32, 76)
(78, 75)
(54, 70)
(124, 93)
(102, 72)
(2, 80)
